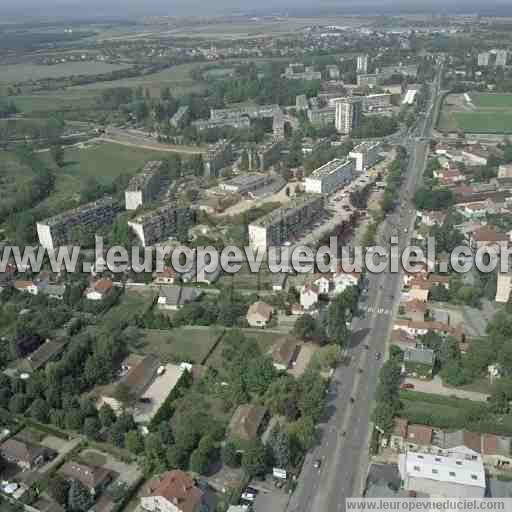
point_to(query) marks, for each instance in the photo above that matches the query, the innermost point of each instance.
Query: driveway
(436, 387)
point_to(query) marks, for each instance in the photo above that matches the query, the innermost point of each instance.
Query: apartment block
(501, 57)
(267, 155)
(374, 102)
(483, 59)
(362, 64)
(239, 121)
(322, 116)
(252, 111)
(286, 223)
(369, 79)
(299, 72)
(161, 224)
(56, 231)
(219, 155)
(348, 114)
(365, 155)
(399, 69)
(144, 186)
(333, 72)
(330, 177)
(180, 117)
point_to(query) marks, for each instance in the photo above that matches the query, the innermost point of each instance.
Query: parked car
(406, 385)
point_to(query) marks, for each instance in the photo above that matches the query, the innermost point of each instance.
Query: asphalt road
(344, 434)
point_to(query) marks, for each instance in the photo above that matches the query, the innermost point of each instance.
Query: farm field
(176, 77)
(186, 344)
(486, 113)
(33, 105)
(24, 72)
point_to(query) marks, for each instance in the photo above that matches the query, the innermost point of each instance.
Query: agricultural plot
(24, 72)
(484, 113)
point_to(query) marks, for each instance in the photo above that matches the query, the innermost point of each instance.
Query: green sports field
(489, 101)
(485, 113)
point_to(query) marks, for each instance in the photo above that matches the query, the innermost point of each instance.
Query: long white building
(56, 231)
(458, 474)
(365, 155)
(330, 177)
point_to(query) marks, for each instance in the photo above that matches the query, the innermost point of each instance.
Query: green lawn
(129, 305)
(483, 100)
(484, 122)
(183, 344)
(105, 162)
(264, 338)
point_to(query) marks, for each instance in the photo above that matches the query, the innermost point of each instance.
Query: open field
(487, 113)
(265, 339)
(186, 344)
(25, 72)
(128, 307)
(176, 77)
(44, 103)
(104, 162)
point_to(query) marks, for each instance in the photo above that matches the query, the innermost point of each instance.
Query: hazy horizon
(74, 9)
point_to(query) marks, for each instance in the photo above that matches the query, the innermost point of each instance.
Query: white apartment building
(330, 177)
(365, 155)
(362, 64)
(501, 57)
(458, 474)
(483, 59)
(348, 114)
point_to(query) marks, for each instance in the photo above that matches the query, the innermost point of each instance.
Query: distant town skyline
(73, 9)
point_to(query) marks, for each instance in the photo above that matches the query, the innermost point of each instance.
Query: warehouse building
(330, 177)
(374, 102)
(57, 230)
(245, 183)
(286, 223)
(161, 224)
(365, 155)
(144, 186)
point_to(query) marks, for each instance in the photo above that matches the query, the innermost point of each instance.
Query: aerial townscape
(257, 127)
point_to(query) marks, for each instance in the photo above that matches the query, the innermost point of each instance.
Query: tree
(39, 410)
(92, 427)
(279, 442)
(107, 415)
(58, 489)
(79, 497)
(230, 456)
(57, 153)
(133, 441)
(307, 328)
(254, 459)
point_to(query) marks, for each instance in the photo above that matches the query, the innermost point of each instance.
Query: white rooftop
(456, 467)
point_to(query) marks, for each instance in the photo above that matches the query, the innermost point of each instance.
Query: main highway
(344, 433)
